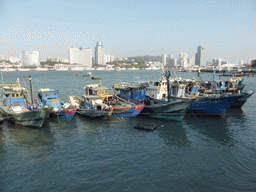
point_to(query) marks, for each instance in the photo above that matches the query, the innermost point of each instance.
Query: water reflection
(31, 144)
(172, 132)
(215, 128)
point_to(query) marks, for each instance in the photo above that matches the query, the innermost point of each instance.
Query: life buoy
(163, 89)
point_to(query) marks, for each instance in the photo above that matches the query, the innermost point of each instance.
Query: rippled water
(201, 153)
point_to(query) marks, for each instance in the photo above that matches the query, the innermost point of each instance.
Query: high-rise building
(99, 54)
(164, 58)
(183, 56)
(30, 58)
(171, 56)
(112, 58)
(107, 59)
(80, 55)
(201, 56)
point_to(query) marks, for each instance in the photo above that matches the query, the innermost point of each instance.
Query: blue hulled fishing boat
(19, 110)
(207, 99)
(164, 108)
(49, 97)
(92, 104)
(123, 107)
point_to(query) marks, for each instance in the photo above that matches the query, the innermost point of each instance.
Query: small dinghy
(145, 126)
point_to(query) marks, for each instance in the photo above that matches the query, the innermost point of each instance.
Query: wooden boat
(96, 78)
(125, 108)
(86, 75)
(209, 98)
(91, 106)
(119, 107)
(235, 74)
(163, 109)
(49, 97)
(18, 110)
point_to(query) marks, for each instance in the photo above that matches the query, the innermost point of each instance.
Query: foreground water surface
(201, 153)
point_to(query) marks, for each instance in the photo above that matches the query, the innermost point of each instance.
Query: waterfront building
(164, 59)
(64, 60)
(30, 58)
(80, 56)
(107, 59)
(173, 62)
(99, 54)
(241, 62)
(13, 59)
(191, 61)
(183, 56)
(200, 58)
(3, 57)
(112, 58)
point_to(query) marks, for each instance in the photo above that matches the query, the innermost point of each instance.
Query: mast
(167, 75)
(31, 89)
(26, 90)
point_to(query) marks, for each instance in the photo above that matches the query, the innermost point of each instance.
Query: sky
(226, 28)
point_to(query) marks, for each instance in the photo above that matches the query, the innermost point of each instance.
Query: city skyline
(131, 28)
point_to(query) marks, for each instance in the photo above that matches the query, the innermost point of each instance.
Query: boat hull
(33, 118)
(174, 110)
(92, 113)
(131, 111)
(214, 106)
(240, 102)
(63, 114)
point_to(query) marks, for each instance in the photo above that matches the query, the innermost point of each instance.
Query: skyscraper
(31, 58)
(99, 54)
(80, 55)
(201, 56)
(164, 58)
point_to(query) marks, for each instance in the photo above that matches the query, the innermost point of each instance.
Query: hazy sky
(227, 28)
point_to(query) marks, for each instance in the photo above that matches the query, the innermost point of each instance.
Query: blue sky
(226, 28)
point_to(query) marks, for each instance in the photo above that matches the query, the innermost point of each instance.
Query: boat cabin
(13, 96)
(158, 90)
(134, 93)
(177, 90)
(97, 89)
(94, 102)
(48, 97)
(191, 88)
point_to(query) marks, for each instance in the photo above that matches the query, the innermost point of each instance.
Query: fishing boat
(85, 75)
(96, 78)
(210, 98)
(163, 108)
(17, 109)
(119, 106)
(235, 74)
(90, 105)
(122, 107)
(49, 97)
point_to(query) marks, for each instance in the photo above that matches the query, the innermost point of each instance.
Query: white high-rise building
(80, 55)
(13, 59)
(30, 58)
(99, 54)
(107, 59)
(191, 61)
(183, 56)
(201, 56)
(171, 56)
(112, 58)
(164, 58)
